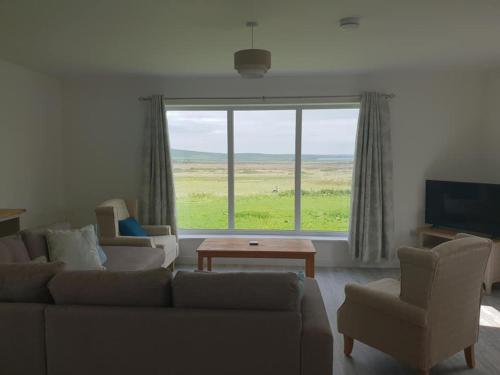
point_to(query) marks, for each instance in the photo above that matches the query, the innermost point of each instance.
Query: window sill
(312, 237)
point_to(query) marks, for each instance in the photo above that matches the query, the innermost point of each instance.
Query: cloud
(324, 131)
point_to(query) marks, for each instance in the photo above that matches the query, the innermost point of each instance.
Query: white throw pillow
(77, 248)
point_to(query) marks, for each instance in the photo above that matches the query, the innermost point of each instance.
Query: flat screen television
(473, 207)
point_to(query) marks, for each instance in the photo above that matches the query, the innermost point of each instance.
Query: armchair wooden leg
(348, 345)
(470, 356)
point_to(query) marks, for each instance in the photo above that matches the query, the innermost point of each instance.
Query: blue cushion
(102, 255)
(301, 276)
(130, 227)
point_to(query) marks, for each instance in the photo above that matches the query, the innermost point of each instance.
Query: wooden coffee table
(267, 248)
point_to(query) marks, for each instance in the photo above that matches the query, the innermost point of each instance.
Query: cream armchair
(428, 316)
(111, 211)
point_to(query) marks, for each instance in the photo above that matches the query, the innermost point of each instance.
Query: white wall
(30, 145)
(436, 117)
(490, 140)
(446, 124)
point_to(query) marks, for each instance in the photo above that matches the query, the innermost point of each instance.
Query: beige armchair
(111, 211)
(428, 316)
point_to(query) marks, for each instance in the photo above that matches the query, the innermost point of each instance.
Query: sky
(324, 131)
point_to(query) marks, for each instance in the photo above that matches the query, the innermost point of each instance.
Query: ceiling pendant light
(252, 63)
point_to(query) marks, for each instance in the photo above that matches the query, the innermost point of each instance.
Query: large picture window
(262, 168)
(198, 143)
(328, 139)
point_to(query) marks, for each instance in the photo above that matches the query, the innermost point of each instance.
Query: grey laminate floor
(366, 360)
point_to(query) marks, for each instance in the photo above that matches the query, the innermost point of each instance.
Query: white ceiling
(198, 37)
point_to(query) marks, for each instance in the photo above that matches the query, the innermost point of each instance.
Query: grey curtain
(372, 218)
(158, 201)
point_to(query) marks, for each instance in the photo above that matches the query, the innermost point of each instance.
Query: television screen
(473, 207)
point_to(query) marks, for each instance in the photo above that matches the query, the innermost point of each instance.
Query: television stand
(429, 236)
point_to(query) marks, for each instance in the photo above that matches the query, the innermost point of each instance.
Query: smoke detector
(349, 23)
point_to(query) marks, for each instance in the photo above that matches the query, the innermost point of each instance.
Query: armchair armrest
(127, 241)
(157, 230)
(386, 303)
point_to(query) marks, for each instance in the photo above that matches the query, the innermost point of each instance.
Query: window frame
(249, 106)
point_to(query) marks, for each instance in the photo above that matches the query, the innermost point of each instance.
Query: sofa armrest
(127, 241)
(157, 230)
(317, 338)
(386, 303)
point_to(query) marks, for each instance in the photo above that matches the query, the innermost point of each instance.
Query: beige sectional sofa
(31, 244)
(148, 323)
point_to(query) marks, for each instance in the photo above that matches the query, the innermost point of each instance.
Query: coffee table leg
(209, 263)
(200, 262)
(310, 266)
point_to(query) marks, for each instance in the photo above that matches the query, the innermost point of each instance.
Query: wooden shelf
(10, 213)
(448, 233)
(9, 220)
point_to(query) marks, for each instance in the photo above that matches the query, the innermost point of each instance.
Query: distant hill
(214, 157)
(197, 156)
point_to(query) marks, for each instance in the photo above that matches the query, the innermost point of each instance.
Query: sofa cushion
(128, 258)
(13, 250)
(35, 240)
(27, 282)
(237, 290)
(75, 247)
(108, 340)
(22, 339)
(106, 288)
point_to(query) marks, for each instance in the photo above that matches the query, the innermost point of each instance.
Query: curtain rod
(263, 98)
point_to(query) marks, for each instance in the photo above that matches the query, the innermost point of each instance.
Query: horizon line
(259, 153)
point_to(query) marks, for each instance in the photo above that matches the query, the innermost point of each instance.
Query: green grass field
(264, 195)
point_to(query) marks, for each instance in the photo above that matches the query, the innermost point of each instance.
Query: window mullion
(298, 163)
(230, 168)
